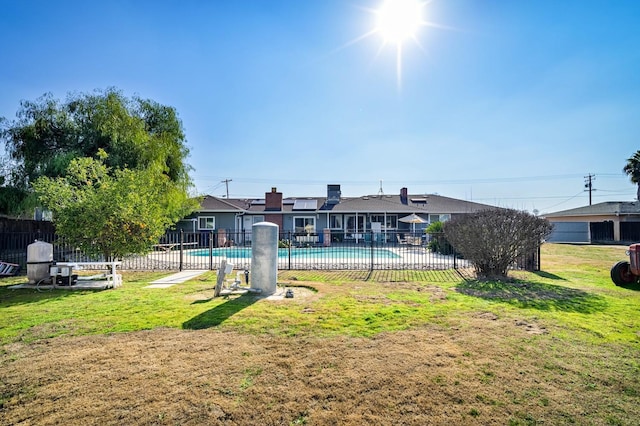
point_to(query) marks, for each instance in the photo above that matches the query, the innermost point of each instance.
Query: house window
(335, 221)
(439, 217)
(355, 224)
(304, 225)
(249, 220)
(391, 223)
(207, 222)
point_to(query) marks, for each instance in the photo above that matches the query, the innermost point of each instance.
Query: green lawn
(573, 294)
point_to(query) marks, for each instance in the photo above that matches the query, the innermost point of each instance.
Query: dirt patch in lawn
(183, 377)
(300, 291)
(462, 374)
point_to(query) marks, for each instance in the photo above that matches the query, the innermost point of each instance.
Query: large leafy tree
(492, 240)
(112, 213)
(11, 198)
(137, 133)
(111, 169)
(632, 169)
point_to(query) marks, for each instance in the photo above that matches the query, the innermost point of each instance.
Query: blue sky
(509, 103)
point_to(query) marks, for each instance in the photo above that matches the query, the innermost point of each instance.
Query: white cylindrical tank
(264, 257)
(39, 259)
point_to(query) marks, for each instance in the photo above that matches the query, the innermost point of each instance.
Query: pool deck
(176, 278)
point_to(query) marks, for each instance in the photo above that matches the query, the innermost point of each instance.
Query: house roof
(414, 204)
(606, 208)
(366, 204)
(210, 203)
(289, 205)
(373, 203)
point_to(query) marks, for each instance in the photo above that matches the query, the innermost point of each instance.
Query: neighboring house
(608, 222)
(314, 218)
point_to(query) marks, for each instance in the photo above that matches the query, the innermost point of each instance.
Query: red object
(634, 258)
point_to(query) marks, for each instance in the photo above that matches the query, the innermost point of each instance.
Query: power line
(285, 181)
(562, 202)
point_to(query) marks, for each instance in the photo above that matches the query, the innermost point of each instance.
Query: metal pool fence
(330, 251)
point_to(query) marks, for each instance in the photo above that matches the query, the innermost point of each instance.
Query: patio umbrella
(412, 219)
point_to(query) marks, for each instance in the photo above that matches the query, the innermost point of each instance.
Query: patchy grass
(559, 346)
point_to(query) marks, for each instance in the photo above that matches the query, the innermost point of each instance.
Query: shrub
(284, 243)
(492, 240)
(438, 242)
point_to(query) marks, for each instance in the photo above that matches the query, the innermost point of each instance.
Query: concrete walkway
(176, 278)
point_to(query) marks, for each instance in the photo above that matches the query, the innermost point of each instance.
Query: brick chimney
(273, 200)
(273, 203)
(404, 195)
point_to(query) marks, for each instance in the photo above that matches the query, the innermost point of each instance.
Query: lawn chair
(414, 241)
(8, 269)
(401, 241)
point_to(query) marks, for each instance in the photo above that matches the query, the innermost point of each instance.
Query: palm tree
(632, 168)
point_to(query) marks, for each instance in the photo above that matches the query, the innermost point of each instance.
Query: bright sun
(399, 20)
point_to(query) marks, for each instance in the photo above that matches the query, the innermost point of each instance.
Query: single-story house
(315, 218)
(608, 222)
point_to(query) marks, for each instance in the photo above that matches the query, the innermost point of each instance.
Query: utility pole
(226, 182)
(588, 183)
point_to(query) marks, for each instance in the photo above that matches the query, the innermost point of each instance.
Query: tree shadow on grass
(24, 296)
(544, 297)
(548, 275)
(220, 313)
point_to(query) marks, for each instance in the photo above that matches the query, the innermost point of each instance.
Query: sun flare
(399, 20)
(396, 23)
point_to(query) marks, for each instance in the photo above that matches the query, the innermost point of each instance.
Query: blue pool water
(309, 253)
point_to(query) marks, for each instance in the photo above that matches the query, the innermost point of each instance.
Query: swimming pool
(309, 253)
